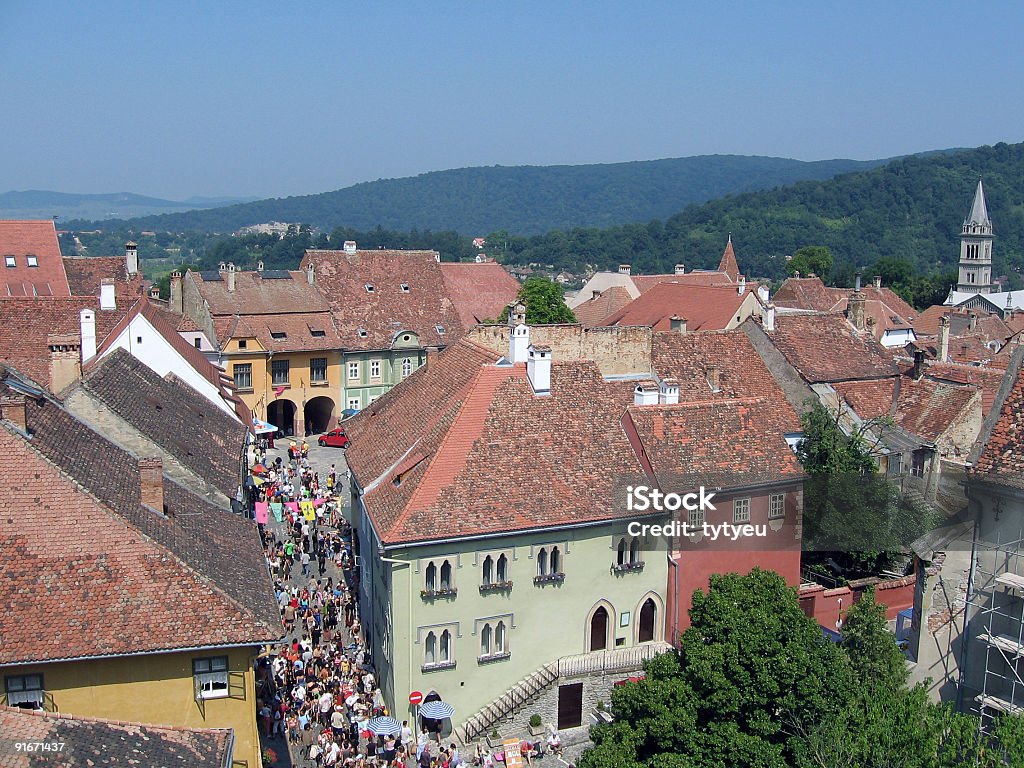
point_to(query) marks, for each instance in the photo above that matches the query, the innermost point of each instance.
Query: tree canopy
(544, 301)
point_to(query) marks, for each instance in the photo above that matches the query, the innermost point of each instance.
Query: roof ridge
(87, 719)
(450, 456)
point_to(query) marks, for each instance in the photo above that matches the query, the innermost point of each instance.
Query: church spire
(979, 211)
(728, 264)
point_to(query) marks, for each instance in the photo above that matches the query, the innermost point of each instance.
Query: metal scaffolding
(999, 605)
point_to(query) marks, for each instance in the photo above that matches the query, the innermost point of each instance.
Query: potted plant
(536, 725)
(494, 739)
(269, 757)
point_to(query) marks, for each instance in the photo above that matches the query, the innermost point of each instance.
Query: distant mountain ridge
(521, 199)
(44, 204)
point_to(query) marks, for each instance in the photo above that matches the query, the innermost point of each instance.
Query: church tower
(976, 248)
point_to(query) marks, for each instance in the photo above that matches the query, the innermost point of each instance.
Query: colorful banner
(292, 506)
(307, 509)
(278, 509)
(513, 755)
(262, 508)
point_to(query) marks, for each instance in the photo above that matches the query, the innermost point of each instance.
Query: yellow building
(275, 338)
(134, 599)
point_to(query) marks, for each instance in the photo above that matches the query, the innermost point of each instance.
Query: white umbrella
(437, 710)
(384, 726)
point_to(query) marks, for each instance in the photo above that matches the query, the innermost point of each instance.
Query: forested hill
(525, 199)
(911, 209)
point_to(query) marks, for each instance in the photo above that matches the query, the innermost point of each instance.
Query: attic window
(242, 343)
(32, 261)
(362, 333)
(439, 329)
(317, 332)
(10, 261)
(278, 335)
(369, 287)
(405, 287)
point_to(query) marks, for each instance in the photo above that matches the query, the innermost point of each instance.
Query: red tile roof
(88, 741)
(85, 274)
(21, 239)
(293, 332)
(258, 293)
(710, 279)
(825, 348)
(728, 263)
(386, 307)
(92, 572)
(26, 323)
(987, 379)
(928, 408)
(812, 294)
(1002, 456)
(708, 309)
(869, 399)
(595, 311)
(804, 293)
(479, 291)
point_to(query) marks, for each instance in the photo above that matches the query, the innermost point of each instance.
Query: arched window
(446, 646)
(406, 368)
(430, 649)
(485, 640)
(648, 618)
(542, 562)
(599, 629)
(499, 637)
(634, 551)
(502, 568)
(446, 575)
(431, 580)
(488, 570)
(621, 560)
(556, 560)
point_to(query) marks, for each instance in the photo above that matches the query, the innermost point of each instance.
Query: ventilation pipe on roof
(669, 394)
(108, 298)
(943, 338)
(519, 343)
(131, 258)
(595, 294)
(538, 368)
(229, 276)
(87, 325)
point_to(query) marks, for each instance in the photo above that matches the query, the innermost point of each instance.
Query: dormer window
(10, 261)
(369, 287)
(318, 333)
(278, 335)
(405, 287)
(362, 333)
(439, 329)
(32, 261)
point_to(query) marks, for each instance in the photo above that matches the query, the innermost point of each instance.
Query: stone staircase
(522, 693)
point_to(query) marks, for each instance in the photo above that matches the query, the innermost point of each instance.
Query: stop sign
(415, 698)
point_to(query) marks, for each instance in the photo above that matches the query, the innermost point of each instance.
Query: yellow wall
(156, 690)
(299, 390)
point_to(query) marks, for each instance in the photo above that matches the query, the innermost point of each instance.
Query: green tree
(876, 659)
(545, 303)
(811, 259)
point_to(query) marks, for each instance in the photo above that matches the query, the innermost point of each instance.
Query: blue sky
(175, 99)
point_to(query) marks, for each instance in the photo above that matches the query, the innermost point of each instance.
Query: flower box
(549, 578)
(628, 567)
(431, 594)
(496, 586)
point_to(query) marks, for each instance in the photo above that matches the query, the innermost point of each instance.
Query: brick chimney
(131, 258)
(12, 409)
(229, 276)
(108, 296)
(151, 483)
(176, 302)
(918, 364)
(677, 324)
(431, 357)
(538, 368)
(943, 338)
(65, 359)
(855, 307)
(624, 269)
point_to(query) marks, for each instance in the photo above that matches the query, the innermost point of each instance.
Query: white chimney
(87, 324)
(762, 293)
(741, 285)
(645, 393)
(943, 338)
(131, 258)
(878, 281)
(230, 277)
(713, 379)
(624, 269)
(259, 265)
(350, 246)
(669, 394)
(310, 273)
(108, 299)
(519, 343)
(538, 368)
(680, 269)
(768, 318)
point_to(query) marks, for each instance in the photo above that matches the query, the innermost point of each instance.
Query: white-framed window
(695, 518)
(405, 287)
(494, 638)
(549, 564)
(627, 554)
(24, 689)
(211, 676)
(10, 261)
(776, 506)
(32, 261)
(741, 510)
(353, 370)
(375, 369)
(438, 646)
(494, 569)
(354, 403)
(439, 576)
(242, 373)
(406, 367)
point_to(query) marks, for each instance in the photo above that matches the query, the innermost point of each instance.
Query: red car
(336, 438)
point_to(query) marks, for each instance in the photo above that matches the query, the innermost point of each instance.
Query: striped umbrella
(437, 710)
(384, 726)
